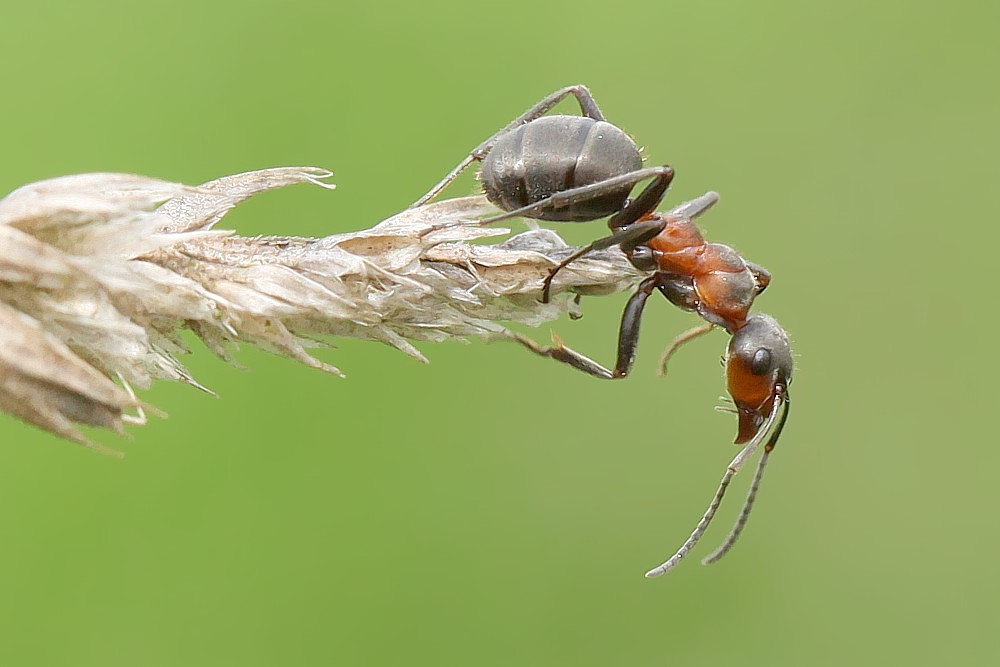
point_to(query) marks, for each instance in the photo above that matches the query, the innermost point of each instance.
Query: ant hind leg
(628, 339)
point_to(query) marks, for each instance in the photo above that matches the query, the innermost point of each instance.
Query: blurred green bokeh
(493, 508)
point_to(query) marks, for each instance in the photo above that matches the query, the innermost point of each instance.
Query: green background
(493, 508)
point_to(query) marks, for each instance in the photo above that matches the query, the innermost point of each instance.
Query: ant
(717, 283)
(579, 168)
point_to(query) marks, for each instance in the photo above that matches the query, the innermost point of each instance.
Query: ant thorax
(724, 283)
(680, 242)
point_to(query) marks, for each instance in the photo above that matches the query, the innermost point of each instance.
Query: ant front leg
(681, 339)
(628, 339)
(694, 208)
(588, 107)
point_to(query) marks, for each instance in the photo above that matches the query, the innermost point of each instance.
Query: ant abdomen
(554, 154)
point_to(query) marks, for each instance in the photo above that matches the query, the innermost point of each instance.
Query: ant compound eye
(762, 348)
(761, 362)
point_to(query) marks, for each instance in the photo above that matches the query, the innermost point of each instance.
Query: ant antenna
(741, 522)
(734, 467)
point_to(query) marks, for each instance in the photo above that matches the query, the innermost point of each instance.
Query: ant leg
(564, 354)
(695, 207)
(633, 235)
(628, 334)
(688, 335)
(628, 338)
(648, 199)
(680, 291)
(663, 176)
(588, 107)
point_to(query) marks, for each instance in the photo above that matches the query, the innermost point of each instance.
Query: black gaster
(608, 152)
(503, 171)
(556, 153)
(551, 150)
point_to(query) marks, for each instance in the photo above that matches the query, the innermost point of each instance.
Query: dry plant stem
(100, 274)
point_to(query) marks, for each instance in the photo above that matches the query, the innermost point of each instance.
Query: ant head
(758, 369)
